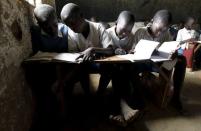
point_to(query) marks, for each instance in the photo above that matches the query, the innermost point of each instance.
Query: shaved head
(189, 22)
(71, 15)
(70, 11)
(161, 21)
(46, 18)
(163, 16)
(43, 13)
(125, 23)
(189, 18)
(126, 18)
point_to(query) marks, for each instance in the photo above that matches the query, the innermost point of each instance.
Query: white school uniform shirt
(125, 43)
(184, 34)
(98, 37)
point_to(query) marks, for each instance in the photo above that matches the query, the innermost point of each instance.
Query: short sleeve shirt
(143, 33)
(98, 37)
(125, 43)
(184, 34)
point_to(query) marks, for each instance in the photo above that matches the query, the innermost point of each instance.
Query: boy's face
(190, 24)
(75, 23)
(159, 27)
(51, 26)
(123, 29)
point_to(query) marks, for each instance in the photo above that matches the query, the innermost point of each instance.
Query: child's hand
(120, 51)
(88, 54)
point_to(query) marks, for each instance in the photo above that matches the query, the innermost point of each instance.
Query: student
(158, 31)
(187, 34)
(49, 35)
(121, 32)
(122, 38)
(87, 37)
(123, 42)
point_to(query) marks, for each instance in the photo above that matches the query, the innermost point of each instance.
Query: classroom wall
(16, 105)
(108, 10)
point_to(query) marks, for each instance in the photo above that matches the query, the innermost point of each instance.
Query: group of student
(76, 34)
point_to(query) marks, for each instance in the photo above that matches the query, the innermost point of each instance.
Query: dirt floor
(91, 116)
(91, 113)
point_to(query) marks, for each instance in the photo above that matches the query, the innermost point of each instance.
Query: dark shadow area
(92, 112)
(82, 113)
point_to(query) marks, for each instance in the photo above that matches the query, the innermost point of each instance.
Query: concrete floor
(154, 119)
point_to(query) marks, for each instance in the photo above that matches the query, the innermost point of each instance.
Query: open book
(145, 48)
(50, 57)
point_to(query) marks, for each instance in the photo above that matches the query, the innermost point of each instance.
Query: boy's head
(46, 18)
(189, 23)
(125, 23)
(71, 15)
(161, 22)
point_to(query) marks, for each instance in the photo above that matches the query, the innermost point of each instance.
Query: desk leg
(166, 77)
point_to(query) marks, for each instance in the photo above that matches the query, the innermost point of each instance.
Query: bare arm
(91, 53)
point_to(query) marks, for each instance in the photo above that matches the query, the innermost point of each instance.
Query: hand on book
(87, 55)
(120, 51)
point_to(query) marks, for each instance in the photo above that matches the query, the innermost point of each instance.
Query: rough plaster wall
(15, 45)
(50, 2)
(108, 10)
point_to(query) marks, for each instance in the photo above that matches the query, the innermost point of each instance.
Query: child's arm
(90, 53)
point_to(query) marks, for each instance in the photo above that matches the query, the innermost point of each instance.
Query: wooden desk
(165, 76)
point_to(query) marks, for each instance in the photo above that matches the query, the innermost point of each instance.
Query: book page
(168, 48)
(143, 51)
(68, 57)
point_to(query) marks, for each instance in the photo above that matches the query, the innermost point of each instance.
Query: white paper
(168, 48)
(144, 49)
(70, 57)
